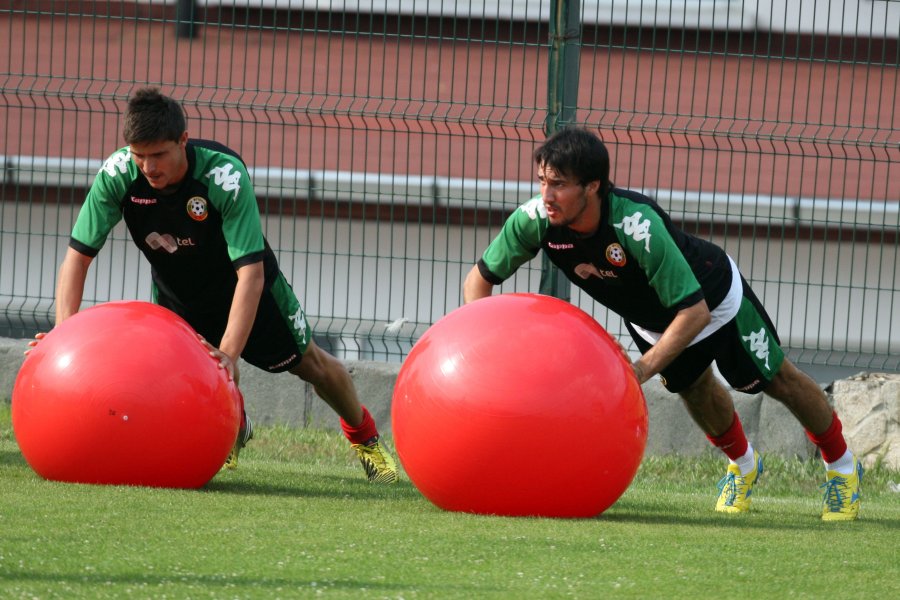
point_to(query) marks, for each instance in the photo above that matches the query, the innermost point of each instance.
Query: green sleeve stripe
(231, 193)
(102, 207)
(518, 241)
(645, 236)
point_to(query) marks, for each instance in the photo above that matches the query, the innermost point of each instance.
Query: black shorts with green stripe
(746, 350)
(280, 333)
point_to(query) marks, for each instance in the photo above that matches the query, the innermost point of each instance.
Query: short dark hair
(577, 153)
(152, 117)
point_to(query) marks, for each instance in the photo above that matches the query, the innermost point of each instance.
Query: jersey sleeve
(102, 207)
(231, 192)
(645, 236)
(518, 242)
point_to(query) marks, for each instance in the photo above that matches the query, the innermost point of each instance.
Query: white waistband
(723, 313)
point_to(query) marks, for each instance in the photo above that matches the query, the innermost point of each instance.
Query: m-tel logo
(167, 242)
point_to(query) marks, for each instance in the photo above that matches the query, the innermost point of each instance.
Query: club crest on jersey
(196, 208)
(615, 254)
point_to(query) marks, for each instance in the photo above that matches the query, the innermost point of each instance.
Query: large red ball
(124, 393)
(519, 404)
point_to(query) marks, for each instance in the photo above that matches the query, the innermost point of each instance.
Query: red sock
(243, 412)
(733, 442)
(831, 442)
(363, 432)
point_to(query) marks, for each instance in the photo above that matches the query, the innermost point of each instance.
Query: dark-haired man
(684, 303)
(191, 209)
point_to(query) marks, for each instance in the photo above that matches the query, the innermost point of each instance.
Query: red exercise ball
(519, 405)
(124, 393)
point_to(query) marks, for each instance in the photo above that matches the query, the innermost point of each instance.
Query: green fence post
(562, 98)
(186, 25)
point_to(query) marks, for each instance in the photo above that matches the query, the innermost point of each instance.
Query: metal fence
(388, 140)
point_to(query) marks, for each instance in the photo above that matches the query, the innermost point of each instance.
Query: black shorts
(280, 333)
(746, 350)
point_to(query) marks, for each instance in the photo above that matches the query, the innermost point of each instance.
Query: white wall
(360, 276)
(866, 18)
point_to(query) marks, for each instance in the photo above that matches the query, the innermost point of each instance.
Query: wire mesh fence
(387, 141)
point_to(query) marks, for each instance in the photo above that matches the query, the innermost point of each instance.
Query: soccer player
(683, 301)
(190, 208)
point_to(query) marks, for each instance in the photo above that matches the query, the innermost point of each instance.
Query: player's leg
(710, 405)
(756, 363)
(712, 408)
(281, 340)
(331, 382)
(809, 404)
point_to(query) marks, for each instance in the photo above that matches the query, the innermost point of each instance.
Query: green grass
(297, 519)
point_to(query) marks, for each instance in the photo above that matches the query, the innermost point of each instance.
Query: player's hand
(622, 349)
(37, 338)
(225, 361)
(638, 369)
(639, 372)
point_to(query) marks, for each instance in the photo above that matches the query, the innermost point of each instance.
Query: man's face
(564, 200)
(164, 164)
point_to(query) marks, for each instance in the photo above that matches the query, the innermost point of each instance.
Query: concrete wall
(869, 405)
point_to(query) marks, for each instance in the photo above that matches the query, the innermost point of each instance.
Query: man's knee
(318, 367)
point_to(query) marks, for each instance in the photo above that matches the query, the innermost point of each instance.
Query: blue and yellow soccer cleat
(841, 501)
(245, 434)
(735, 489)
(378, 463)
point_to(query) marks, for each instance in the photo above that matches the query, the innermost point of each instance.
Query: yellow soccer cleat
(245, 434)
(377, 462)
(841, 501)
(735, 489)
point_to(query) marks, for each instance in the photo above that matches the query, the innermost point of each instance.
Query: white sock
(844, 465)
(746, 463)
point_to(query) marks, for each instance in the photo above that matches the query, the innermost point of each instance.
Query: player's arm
(100, 212)
(70, 283)
(670, 277)
(235, 199)
(518, 242)
(69, 289)
(251, 280)
(476, 286)
(688, 323)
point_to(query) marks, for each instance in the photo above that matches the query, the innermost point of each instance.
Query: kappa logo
(143, 201)
(225, 179)
(637, 229)
(747, 387)
(281, 364)
(759, 344)
(196, 208)
(615, 254)
(300, 324)
(535, 209)
(117, 163)
(560, 246)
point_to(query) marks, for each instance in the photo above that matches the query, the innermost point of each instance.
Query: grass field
(298, 520)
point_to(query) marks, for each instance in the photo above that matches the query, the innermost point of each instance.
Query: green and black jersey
(194, 237)
(638, 264)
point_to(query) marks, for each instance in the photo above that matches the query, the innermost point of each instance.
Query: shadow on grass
(318, 485)
(12, 458)
(233, 585)
(635, 511)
